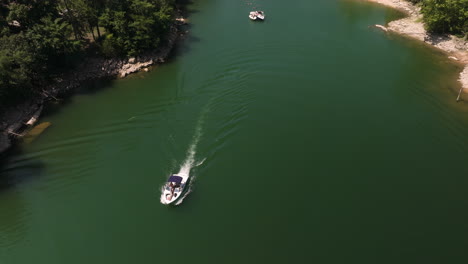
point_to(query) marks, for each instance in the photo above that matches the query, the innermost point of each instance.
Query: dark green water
(323, 141)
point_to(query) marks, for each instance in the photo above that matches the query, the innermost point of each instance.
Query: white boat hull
(170, 195)
(257, 15)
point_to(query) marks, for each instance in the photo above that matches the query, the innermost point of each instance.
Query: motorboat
(172, 190)
(261, 15)
(257, 15)
(253, 15)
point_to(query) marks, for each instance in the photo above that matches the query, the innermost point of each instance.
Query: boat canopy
(176, 179)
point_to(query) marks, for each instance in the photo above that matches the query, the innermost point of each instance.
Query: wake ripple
(189, 161)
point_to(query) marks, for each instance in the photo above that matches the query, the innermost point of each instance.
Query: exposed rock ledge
(413, 26)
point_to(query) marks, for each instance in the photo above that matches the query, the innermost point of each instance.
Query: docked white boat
(173, 189)
(257, 15)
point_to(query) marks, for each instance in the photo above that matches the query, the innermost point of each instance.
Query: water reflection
(14, 171)
(13, 221)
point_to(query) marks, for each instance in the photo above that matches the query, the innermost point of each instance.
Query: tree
(446, 16)
(16, 58)
(136, 25)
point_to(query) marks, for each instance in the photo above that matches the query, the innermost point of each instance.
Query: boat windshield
(175, 179)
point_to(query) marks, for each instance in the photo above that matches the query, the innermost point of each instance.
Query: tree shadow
(88, 87)
(184, 7)
(183, 46)
(13, 227)
(16, 169)
(435, 39)
(185, 39)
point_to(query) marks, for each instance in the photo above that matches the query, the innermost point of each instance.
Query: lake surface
(317, 138)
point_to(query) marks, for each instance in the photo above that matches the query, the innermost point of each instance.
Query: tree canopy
(445, 16)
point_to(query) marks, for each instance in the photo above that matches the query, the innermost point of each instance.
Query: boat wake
(190, 183)
(190, 161)
(186, 168)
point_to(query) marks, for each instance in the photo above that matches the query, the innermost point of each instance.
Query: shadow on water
(13, 226)
(15, 170)
(12, 204)
(86, 88)
(183, 46)
(185, 40)
(184, 7)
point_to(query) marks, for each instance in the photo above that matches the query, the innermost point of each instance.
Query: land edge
(17, 120)
(412, 26)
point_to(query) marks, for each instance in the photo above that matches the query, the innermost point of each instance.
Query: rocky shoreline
(412, 26)
(16, 120)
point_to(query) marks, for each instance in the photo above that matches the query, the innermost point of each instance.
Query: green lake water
(318, 139)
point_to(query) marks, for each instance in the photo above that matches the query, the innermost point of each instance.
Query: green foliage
(109, 47)
(137, 25)
(16, 59)
(28, 12)
(51, 38)
(446, 16)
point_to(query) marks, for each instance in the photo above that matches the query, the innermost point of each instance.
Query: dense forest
(445, 16)
(39, 38)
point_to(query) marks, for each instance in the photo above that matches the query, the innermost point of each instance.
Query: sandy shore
(412, 26)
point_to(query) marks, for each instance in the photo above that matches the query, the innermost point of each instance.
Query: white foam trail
(189, 162)
(189, 190)
(192, 180)
(190, 159)
(200, 163)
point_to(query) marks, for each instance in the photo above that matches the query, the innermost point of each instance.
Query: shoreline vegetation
(108, 53)
(413, 26)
